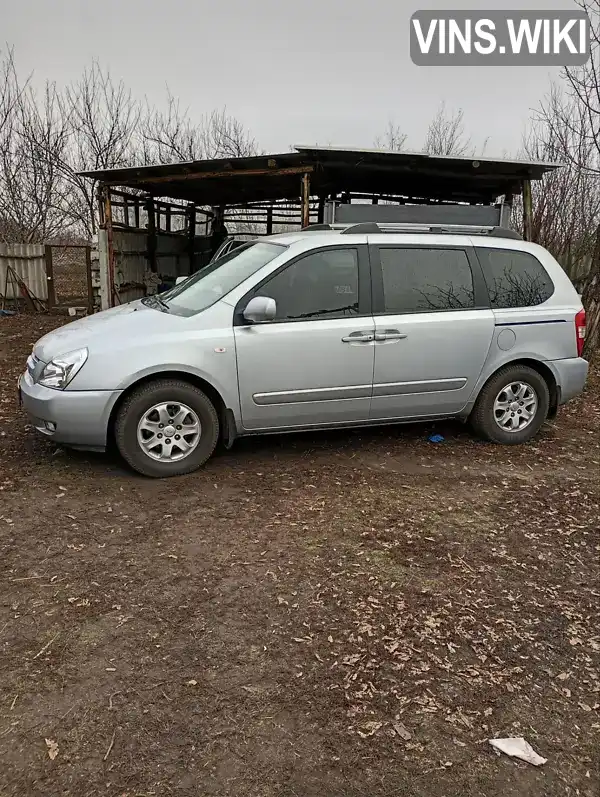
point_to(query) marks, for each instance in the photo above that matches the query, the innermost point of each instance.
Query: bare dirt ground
(341, 614)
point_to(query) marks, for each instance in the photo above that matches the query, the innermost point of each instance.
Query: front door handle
(359, 337)
(390, 334)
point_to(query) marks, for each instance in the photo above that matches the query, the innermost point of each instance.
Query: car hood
(108, 328)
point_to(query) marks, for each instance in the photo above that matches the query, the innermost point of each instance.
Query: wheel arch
(542, 368)
(227, 430)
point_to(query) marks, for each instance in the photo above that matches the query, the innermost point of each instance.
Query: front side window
(212, 283)
(514, 279)
(420, 280)
(320, 285)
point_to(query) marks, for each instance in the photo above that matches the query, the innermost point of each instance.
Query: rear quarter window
(513, 278)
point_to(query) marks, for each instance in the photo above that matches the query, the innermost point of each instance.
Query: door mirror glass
(260, 309)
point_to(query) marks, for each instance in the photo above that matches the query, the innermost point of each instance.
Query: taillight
(580, 331)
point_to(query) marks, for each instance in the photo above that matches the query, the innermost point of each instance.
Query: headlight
(59, 371)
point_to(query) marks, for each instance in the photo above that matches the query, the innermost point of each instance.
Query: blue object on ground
(436, 438)
(7, 312)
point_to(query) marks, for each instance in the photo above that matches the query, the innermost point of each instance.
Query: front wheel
(166, 428)
(512, 406)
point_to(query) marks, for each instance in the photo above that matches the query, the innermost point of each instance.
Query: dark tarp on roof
(228, 181)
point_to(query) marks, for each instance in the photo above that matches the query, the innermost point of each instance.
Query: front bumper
(76, 418)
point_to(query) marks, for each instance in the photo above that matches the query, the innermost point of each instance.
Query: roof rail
(502, 232)
(371, 227)
(362, 228)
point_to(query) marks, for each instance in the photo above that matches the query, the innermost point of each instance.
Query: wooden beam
(222, 173)
(527, 211)
(305, 199)
(321, 210)
(88, 274)
(50, 276)
(107, 219)
(191, 236)
(151, 241)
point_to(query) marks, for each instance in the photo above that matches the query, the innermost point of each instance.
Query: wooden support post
(321, 210)
(136, 211)
(151, 240)
(191, 236)
(527, 211)
(50, 276)
(269, 221)
(104, 193)
(305, 199)
(88, 274)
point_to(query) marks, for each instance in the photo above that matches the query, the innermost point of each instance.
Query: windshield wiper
(149, 301)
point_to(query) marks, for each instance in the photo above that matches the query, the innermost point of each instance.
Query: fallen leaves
(369, 729)
(52, 748)
(402, 731)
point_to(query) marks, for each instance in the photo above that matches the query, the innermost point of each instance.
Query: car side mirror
(260, 309)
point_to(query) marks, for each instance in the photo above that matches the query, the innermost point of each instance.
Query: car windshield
(216, 280)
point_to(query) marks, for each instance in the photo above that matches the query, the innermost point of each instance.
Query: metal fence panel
(27, 261)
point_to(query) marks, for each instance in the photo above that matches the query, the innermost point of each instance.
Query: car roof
(435, 236)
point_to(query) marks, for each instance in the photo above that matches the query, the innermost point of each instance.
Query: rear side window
(514, 279)
(423, 280)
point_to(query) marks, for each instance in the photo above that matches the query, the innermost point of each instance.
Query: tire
(486, 411)
(136, 416)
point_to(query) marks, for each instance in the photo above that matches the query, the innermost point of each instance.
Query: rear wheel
(166, 428)
(512, 406)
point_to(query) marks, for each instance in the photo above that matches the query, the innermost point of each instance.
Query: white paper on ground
(517, 747)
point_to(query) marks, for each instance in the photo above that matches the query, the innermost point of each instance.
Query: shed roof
(227, 181)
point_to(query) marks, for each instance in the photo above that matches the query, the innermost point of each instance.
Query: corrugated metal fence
(28, 262)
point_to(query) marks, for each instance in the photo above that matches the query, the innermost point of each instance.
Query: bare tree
(571, 117)
(446, 134)
(171, 135)
(33, 136)
(567, 203)
(224, 136)
(10, 89)
(105, 119)
(95, 121)
(48, 136)
(393, 139)
(582, 87)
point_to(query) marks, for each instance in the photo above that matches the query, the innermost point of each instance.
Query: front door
(432, 330)
(313, 363)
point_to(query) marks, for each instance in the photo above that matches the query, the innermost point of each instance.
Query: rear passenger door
(433, 329)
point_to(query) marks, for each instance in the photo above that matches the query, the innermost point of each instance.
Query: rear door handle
(390, 334)
(359, 337)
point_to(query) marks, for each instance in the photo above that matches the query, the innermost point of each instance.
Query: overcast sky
(294, 71)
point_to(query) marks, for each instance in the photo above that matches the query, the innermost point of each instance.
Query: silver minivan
(318, 329)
